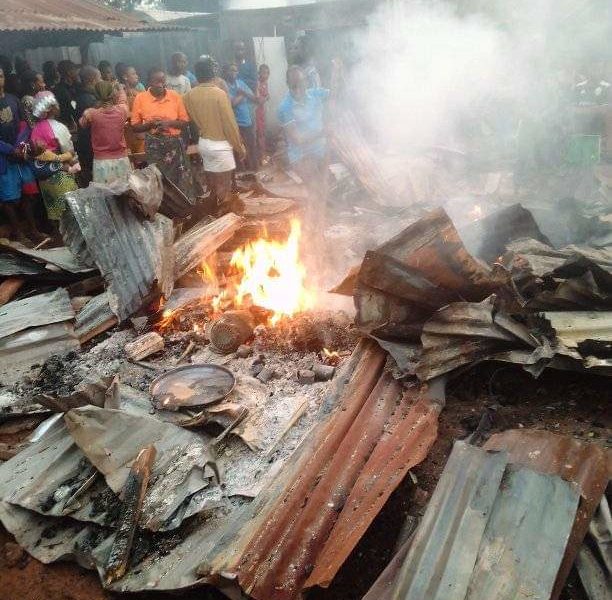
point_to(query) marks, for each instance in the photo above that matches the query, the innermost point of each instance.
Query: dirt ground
(568, 403)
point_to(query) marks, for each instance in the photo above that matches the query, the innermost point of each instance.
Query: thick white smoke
(422, 67)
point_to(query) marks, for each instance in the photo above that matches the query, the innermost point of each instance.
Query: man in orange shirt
(161, 115)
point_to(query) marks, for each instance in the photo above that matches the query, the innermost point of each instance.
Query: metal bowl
(192, 386)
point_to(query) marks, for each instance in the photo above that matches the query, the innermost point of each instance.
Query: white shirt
(179, 83)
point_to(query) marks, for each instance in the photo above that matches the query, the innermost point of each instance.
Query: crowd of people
(67, 126)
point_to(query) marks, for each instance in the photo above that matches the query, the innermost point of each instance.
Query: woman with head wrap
(107, 123)
(49, 135)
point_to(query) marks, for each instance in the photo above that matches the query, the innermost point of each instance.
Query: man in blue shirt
(247, 69)
(301, 115)
(241, 97)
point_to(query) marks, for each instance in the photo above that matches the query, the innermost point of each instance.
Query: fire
(271, 275)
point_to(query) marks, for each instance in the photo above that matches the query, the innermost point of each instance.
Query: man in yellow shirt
(210, 109)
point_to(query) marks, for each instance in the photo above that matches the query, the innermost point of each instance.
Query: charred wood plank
(133, 496)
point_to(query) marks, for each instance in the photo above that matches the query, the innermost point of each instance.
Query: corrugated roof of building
(68, 15)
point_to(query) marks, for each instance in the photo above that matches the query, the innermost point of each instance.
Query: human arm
(230, 127)
(85, 120)
(247, 92)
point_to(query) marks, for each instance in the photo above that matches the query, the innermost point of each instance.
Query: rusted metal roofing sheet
(67, 15)
(340, 476)
(587, 465)
(135, 256)
(333, 489)
(491, 530)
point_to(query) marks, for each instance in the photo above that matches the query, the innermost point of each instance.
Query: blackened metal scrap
(135, 256)
(585, 465)
(175, 204)
(132, 501)
(36, 311)
(21, 351)
(488, 237)
(94, 318)
(464, 333)
(111, 439)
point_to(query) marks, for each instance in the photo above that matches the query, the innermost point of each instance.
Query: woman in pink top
(107, 122)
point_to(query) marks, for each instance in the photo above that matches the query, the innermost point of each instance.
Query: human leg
(248, 137)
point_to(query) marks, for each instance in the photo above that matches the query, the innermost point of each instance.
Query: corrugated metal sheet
(587, 465)
(463, 333)
(340, 475)
(111, 440)
(43, 309)
(67, 15)
(443, 553)
(94, 318)
(13, 264)
(135, 256)
(61, 257)
(202, 240)
(490, 531)
(20, 351)
(332, 491)
(575, 327)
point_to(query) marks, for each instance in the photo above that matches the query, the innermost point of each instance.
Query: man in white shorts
(210, 109)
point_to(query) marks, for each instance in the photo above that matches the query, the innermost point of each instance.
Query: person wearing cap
(51, 135)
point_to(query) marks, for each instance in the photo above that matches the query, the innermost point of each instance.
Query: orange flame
(271, 276)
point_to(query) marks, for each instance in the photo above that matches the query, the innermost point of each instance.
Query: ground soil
(568, 403)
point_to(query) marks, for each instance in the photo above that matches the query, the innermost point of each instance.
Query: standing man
(301, 116)
(177, 79)
(65, 92)
(241, 97)
(247, 69)
(86, 98)
(210, 109)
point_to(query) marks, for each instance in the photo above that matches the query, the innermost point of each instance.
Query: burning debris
(234, 430)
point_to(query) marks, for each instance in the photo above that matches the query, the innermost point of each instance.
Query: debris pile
(215, 438)
(435, 308)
